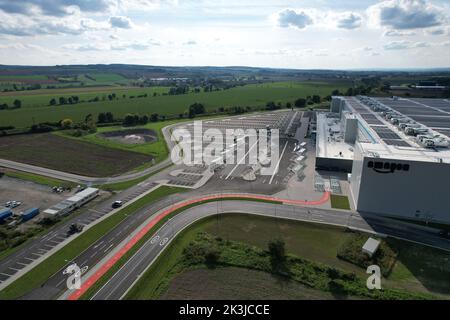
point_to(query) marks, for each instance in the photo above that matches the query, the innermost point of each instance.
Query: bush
(351, 251)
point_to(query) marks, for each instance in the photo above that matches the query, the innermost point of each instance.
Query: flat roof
(388, 141)
(82, 194)
(331, 144)
(371, 245)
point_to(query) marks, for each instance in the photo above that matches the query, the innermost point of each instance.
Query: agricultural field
(61, 81)
(418, 269)
(238, 283)
(254, 95)
(79, 157)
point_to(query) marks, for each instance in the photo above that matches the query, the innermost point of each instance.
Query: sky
(302, 34)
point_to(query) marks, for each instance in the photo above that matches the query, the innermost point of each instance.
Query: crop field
(79, 157)
(91, 79)
(249, 95)
(41, 98)
(238, 283)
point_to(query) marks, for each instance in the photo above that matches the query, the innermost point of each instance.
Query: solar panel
(386, 133)
(399, 143)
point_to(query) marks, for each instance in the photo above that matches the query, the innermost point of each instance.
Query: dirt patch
(237, 283)
(131, 136)
(69, 155)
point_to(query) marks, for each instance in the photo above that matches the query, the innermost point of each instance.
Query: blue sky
(266, 33)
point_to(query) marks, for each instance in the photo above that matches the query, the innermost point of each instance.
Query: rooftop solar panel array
(398, 143)
(370, 118)
(386, 133)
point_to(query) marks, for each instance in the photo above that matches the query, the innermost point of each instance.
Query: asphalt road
(124, 279)
(56, 284)
(33, 250)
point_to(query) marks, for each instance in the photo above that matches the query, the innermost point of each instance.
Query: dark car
(117, 204)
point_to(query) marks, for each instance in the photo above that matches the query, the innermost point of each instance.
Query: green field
(46, 181)
(51, 265)
(255, 95)
(418, 269)
(61, 81)
(42, 97)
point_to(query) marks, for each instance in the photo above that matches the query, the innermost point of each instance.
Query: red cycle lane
(130, 244)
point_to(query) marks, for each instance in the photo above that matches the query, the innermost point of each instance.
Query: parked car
(117, 204)
(75, 228)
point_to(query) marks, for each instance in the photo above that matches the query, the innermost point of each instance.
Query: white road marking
(278, 164)
(242, 159)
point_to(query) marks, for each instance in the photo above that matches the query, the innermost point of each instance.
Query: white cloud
(56, 8)
(349, 20)
(396, 33)
(291, 18)
(436, 32)
(190, 43)
(120, 22)
(402, 45)
(406, 14)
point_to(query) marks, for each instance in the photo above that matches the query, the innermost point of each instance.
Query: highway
(16, 263)
(98, 250)
(123, 280)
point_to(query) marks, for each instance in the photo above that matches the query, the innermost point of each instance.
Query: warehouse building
(73, 203)
(395, 151)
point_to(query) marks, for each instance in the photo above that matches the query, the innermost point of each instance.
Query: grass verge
(340, 202)
(46, 181)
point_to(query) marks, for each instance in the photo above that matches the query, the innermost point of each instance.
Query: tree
(101, 118)
(129, 120)
(289, 105)
(17, 104)
(143, 119)
(53, 102)
(109, 117)
(4, 106)
(276, 250)
(271, 105)
(196, 108)
(154, 117)
(300, 103)
(62, 100)
(66, 124)
(316, 99)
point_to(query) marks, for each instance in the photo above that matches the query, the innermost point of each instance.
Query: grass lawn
(39, 274)
(46, 181)
(318, 243)
(254, 95)
(340, 202)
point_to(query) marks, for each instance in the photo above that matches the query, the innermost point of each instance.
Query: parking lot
(240, 173)
(31, 195)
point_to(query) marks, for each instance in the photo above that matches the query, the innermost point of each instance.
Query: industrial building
(395, 151)
(73, 203)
